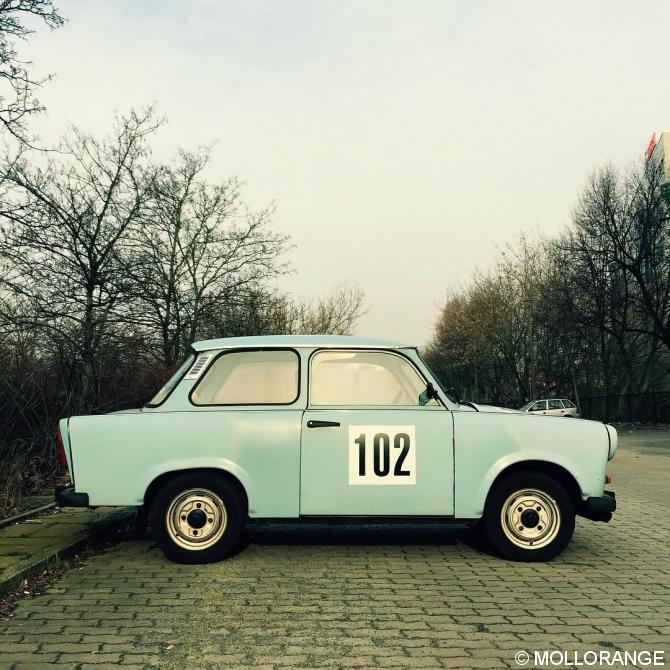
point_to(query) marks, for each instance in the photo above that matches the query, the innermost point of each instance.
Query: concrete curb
(12, 576)
(26, 515)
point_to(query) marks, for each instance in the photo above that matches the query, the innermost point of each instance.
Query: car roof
(298, 341)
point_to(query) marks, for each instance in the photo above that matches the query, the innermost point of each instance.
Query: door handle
(322, 424)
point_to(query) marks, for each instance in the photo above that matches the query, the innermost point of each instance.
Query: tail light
(61, 449)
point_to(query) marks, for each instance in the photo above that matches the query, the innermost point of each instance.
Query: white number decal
(382, 455)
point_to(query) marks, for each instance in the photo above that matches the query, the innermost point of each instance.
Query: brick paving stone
(33, 544)
(398, 597)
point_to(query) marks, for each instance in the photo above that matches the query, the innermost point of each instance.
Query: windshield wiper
(452, 394)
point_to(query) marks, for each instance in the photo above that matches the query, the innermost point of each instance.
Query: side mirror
(429, 394)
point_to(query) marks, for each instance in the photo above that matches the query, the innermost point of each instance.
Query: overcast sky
(402, 142)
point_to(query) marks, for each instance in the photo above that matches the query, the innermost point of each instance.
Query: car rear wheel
(198, 518)
(529, 517)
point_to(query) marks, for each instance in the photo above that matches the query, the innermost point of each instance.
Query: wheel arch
(554, 470)
(159, 481)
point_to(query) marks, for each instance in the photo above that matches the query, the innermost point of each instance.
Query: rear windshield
(172, 382)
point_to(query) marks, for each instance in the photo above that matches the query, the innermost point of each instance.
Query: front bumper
(600, 508)
(66, 496)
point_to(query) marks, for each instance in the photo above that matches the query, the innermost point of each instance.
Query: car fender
(486, 443)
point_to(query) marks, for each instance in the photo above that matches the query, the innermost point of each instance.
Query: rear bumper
(600, 508)
(66, 496)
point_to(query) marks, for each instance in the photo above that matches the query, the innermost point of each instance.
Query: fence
(635, 407)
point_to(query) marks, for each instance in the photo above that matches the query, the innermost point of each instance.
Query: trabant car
(317, 427)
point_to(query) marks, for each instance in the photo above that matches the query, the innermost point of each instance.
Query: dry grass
(25, 469)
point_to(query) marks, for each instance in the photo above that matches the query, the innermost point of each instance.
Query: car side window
(555, 404)
(539, 406)
(568, 404)
(267, 377)
(364, 378)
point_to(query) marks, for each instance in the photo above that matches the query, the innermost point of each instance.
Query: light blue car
(316, 427)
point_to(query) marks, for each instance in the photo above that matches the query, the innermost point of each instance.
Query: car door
(540, 407)
(555, 408)
(369, 447)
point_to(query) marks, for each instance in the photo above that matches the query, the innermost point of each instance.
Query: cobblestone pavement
(400, 596)
(35, 542)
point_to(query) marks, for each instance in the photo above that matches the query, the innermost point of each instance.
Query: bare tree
(18, 85)
(255, 310)
(334, 314)
(621, 241)
(529, 327)
(201, 252)
(585, 314)
(67, 241)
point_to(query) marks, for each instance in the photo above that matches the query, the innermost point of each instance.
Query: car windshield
(171, 383)
(526, 407)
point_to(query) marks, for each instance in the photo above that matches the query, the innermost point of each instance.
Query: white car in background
(552, 407)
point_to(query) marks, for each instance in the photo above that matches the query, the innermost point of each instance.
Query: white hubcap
(530, 518)
(196, 519)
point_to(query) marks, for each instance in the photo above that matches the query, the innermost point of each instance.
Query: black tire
(219, 501)
(554, 507)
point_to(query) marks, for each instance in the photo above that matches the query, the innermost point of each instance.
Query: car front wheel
(529, 516)
(198, 518)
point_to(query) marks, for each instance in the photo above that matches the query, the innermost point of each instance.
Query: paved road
(405, 596)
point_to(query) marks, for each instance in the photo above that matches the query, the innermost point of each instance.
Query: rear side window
(568, 404)
(268, 377)
(555, 404)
